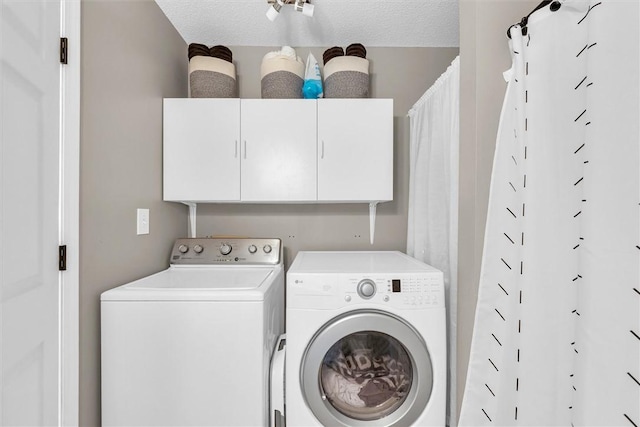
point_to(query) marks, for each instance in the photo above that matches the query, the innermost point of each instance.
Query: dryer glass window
(366, 375)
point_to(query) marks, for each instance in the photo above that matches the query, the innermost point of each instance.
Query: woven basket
(346, 77)
(212, 78)
(281, 78)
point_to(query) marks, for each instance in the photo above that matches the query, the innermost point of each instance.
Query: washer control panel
(232, 250)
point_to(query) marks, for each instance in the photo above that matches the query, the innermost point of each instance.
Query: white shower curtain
(432, 234)
(557, 329)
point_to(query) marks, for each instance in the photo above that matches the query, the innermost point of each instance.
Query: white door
(278, 150)
(355, 149)
(29, 212)
(201, 152)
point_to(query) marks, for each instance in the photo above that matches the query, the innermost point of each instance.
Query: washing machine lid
(198, 283)
(358, 262)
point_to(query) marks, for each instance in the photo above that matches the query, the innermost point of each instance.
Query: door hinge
(63, 50)
(62, 257)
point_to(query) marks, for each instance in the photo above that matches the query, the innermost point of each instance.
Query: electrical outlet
(143, 221)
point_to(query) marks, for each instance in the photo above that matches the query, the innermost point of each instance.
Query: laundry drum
(362, 367)
(366, 375)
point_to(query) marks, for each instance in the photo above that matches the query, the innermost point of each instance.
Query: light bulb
(307, 10)
(304, 7)
(274, 10)
(272, 13)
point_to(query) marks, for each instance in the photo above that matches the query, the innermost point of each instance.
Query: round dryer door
(367, 368)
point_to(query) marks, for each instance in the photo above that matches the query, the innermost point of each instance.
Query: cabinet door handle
(245, 148)
(235, 155)
(322, 150)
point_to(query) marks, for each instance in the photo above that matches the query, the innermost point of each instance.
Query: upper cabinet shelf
(278, 150)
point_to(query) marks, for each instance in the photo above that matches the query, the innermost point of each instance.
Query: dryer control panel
(419, 291)
(226, 251)
(403, 290)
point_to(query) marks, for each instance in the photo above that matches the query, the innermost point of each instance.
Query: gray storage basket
(212, 78)
(346, 77)
(281, 78)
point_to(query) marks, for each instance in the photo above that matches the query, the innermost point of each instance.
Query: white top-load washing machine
(191, 345)
(365, 341)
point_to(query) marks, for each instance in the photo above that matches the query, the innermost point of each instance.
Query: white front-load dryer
(365, 341)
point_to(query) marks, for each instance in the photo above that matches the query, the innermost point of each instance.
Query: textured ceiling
(407, 23)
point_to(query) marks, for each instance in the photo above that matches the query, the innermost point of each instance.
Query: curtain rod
(555, 5)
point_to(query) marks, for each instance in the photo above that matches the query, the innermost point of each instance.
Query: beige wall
(403, 74)
(131, 58)
(484, 55)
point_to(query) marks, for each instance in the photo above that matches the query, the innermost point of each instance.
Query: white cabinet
(355, 150)
(201, 152)
(278, 150)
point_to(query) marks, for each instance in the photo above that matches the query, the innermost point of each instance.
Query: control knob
(267, 249)
(225, 249)
(198, 249)
(252, 249)
(366, 288)
(183, 249)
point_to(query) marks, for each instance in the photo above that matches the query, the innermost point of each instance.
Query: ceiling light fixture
(299, 5)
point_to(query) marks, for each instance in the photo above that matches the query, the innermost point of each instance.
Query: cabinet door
(278, 150)
(355, 150)
(201, 152)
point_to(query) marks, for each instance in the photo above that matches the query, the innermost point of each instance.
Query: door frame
(69, 234)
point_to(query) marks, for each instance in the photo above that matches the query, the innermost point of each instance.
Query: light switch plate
(143, 221)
